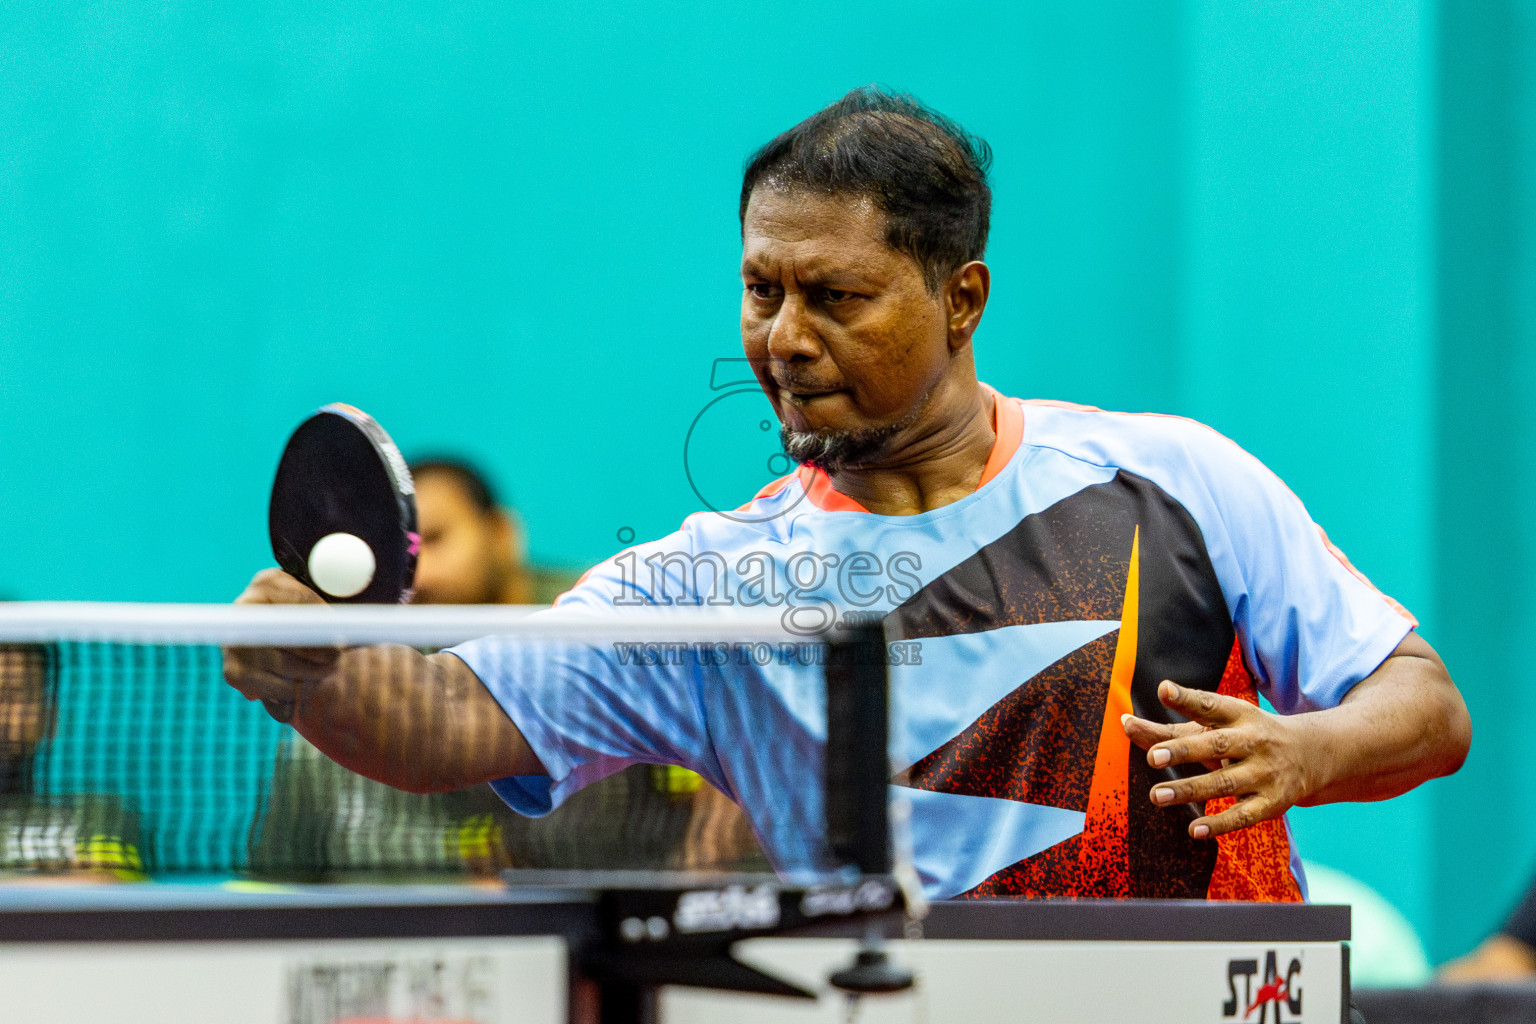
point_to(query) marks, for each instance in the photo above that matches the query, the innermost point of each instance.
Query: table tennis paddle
(343, 511)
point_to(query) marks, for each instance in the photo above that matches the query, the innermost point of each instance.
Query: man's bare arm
(1402, 725)
(419, 722)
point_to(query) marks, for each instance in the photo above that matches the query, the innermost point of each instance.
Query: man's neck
(941, 463)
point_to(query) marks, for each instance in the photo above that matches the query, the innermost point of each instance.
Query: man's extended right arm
(419, 722)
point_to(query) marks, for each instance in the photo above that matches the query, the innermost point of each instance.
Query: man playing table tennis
(1059, 584)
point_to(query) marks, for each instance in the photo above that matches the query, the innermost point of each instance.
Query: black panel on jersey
(1070, 562)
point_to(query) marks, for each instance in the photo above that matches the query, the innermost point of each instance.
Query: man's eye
(761, 291)
(836, 295)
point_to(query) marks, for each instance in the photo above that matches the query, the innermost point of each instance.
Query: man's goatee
(834, 450)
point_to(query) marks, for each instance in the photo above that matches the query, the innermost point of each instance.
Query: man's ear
(507, 533)
(965, 299)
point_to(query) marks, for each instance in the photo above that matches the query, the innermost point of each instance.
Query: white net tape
(420, 626)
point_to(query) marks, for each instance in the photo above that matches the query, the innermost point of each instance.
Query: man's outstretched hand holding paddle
(342, 521)
(1402, 725)
(418, 722)
(278, 676)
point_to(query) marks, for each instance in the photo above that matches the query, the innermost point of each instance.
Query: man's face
(844, 335)
(462, 547)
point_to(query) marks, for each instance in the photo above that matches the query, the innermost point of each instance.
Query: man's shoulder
(1150, 444)
(1068, 422)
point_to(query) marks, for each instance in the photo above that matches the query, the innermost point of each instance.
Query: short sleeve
(1310, 625)
(589, 710)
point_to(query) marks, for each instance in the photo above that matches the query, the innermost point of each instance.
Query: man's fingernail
(1162, 795)
(1123, 719)
(1160, 758)
(1201, 831)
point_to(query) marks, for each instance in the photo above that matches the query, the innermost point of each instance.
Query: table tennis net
(123, 751)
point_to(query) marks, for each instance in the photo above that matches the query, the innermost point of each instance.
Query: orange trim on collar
(818, 487)
(1007, 422)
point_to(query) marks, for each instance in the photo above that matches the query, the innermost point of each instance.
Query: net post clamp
(686, 936)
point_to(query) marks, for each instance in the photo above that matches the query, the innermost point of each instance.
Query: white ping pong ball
(341, 565)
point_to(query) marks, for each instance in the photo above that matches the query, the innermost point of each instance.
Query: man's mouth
(804, 395)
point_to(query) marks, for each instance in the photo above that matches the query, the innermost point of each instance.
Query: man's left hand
(1263, 760)
(1398, 727)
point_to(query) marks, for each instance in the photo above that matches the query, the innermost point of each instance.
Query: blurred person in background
(324, 823)
(1508, 955)
(472, 547)
(77, 836)
(25, 714)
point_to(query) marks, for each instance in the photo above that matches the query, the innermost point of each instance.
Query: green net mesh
(137, 760)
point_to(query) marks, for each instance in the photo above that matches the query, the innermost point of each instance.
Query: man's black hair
(469, 479)
(926, 173)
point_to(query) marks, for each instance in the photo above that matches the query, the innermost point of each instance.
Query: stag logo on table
(1269, 996)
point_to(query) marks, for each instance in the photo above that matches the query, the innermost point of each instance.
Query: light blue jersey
(1102, 553)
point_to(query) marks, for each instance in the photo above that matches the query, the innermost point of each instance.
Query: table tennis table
(601, 949)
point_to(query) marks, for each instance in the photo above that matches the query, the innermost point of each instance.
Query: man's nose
(792, 335)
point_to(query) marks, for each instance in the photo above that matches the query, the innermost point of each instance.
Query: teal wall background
(508, 230)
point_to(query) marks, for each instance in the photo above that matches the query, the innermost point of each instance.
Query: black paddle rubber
(340, 473)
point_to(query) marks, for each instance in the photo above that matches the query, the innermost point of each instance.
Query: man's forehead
(778, 217)
(441, 493)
